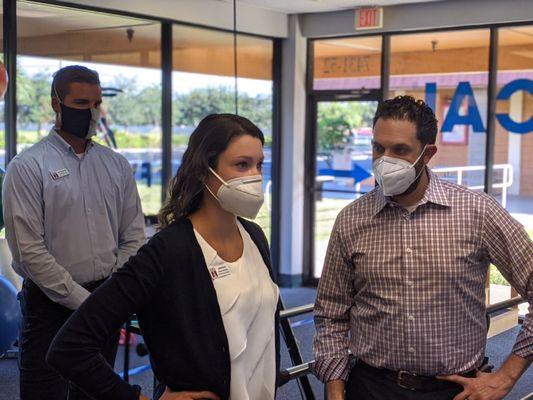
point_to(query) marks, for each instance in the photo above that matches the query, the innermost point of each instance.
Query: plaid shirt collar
(435, 193)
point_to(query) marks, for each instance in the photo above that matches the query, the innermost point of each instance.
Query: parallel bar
(10, 61)
(307, 308)
(293, 312)
(295, 372)
(302, 369)
(338, 191)
(166, 106)
(491, 110)
(502, 305)
(294, 353)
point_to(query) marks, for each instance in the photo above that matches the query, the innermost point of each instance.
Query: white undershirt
(410, 209)
(247, 298)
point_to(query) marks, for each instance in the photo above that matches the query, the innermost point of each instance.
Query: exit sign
(368, 18)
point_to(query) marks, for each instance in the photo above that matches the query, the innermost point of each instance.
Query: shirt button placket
(89, 212)
(409, 286)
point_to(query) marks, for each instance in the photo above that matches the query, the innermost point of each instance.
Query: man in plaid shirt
(400, 309)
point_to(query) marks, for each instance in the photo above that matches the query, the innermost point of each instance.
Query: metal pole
(235, 57)
(295, 355)
(10, 61)
(491, 110)
(166, 106)
(275, 201)
(385, 66)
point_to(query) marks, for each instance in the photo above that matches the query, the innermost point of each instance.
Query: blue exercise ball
(9, 315)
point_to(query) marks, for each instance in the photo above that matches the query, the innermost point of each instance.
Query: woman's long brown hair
(210, 138)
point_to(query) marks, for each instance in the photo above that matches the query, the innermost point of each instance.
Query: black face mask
(75, 121)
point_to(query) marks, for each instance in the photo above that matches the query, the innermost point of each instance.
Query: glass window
(513, 148)
(344, 164)
(450, 71)
(348, 63)
(125, 52)
(204, 83)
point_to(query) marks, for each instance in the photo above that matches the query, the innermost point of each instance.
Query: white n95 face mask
(240, 196)
(395, 175)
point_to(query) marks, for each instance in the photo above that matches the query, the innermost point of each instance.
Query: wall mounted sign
(368, 18)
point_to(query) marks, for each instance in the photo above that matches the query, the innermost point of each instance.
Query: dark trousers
(41, 320)
(365, 385)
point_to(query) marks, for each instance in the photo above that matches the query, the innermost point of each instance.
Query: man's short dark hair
(73, 73)
(415, 111)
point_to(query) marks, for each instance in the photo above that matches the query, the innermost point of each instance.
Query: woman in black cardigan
(202, 287)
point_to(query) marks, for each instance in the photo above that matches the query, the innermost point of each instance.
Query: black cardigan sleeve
(76, 350)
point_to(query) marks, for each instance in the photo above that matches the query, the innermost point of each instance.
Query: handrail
(295, 311)
(307, 308)
(303, 369)
(300, 370)
(502, 305)
(295, 372)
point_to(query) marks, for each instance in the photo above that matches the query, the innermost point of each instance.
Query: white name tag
(59, 174)
(219, 272)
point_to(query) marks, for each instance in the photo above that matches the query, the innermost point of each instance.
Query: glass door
(343, 154)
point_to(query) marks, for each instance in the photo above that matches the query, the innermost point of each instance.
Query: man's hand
(205, 395)
(483, 387)
(335, 390)
(491, 386)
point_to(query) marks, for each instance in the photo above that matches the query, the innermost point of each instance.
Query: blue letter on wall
(472, 117)
(506, 92)
(431, 95)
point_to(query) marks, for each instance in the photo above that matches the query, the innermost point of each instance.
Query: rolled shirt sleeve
(510, 249)
(335, 296)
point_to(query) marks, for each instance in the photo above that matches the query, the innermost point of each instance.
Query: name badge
(219, 272)
(61, 173)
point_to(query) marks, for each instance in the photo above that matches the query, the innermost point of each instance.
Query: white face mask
(240, 196)
(395, 175)
(93, 125)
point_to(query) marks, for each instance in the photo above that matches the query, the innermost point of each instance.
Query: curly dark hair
(210, 138)
(415, 111)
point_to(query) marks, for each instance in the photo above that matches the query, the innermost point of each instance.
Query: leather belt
(410, 381)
